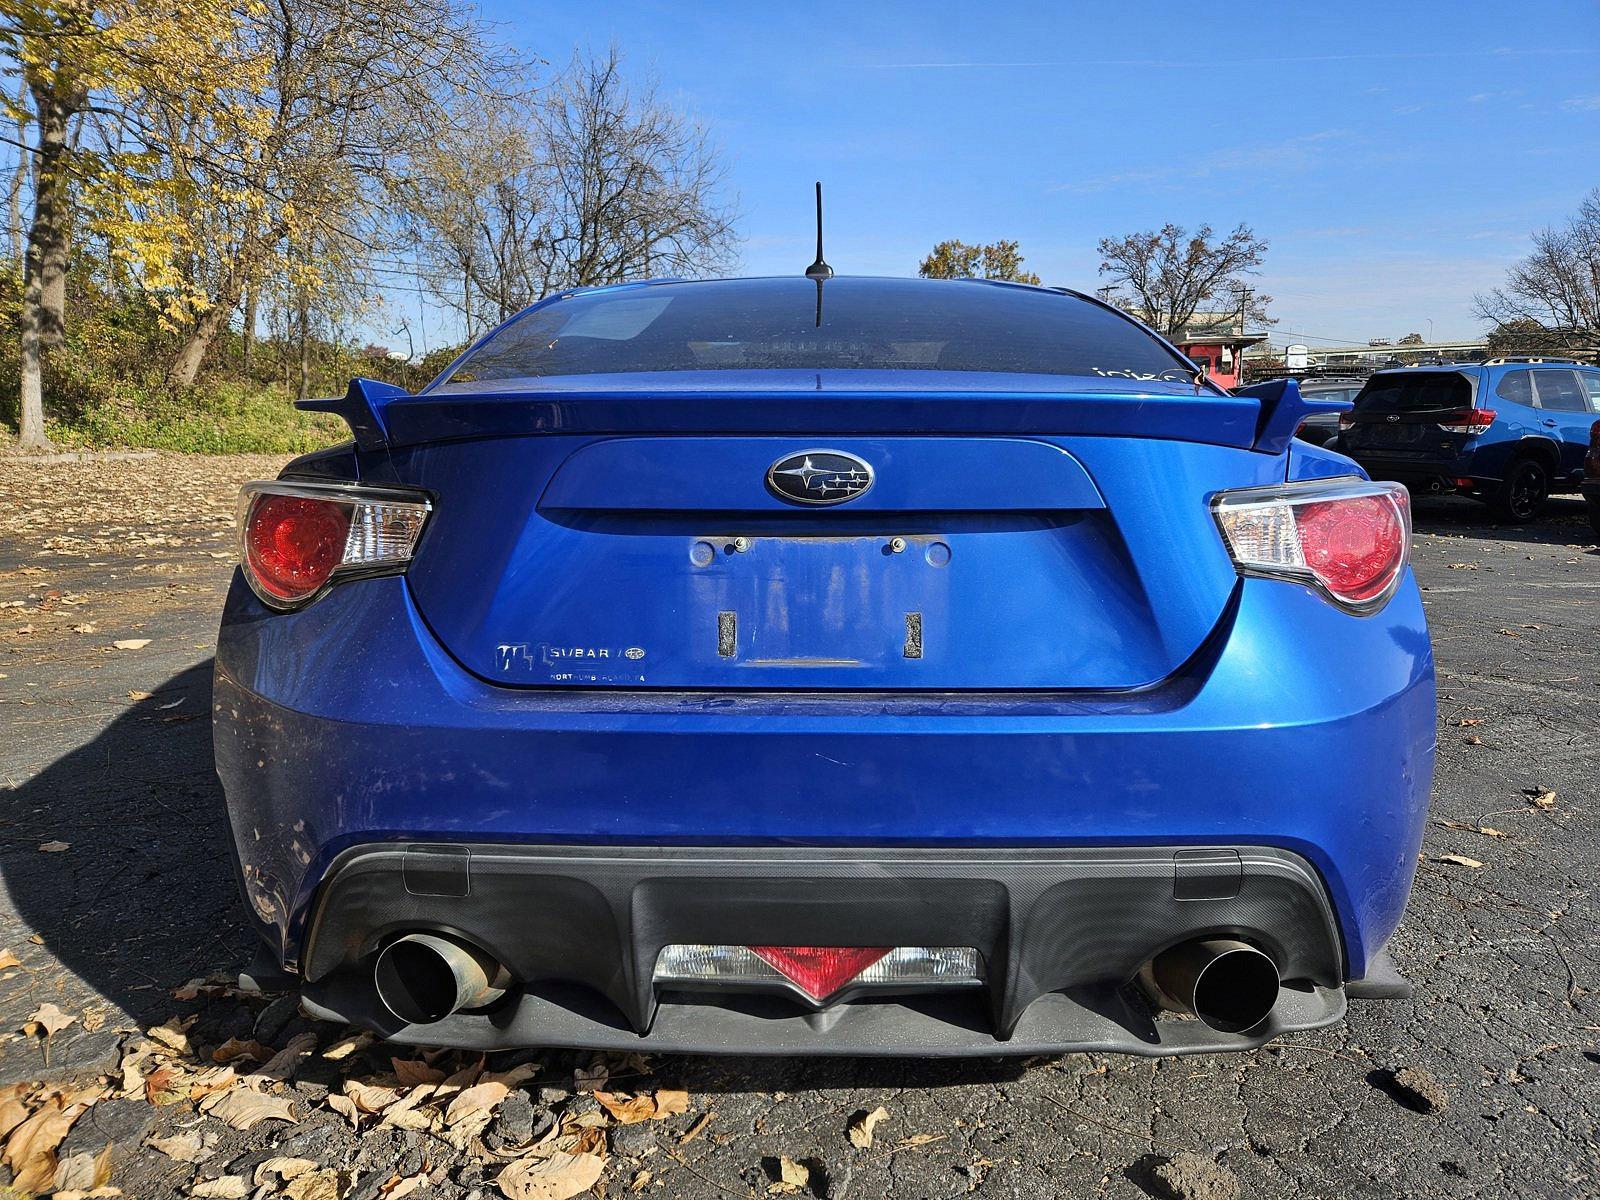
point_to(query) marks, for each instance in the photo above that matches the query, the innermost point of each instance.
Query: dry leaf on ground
(1542, 798)
(236, 1048)
(8, 959)
(1460, 860)
(630, 1110)
(412, 1071)
(54, 847)
(130, 643)
(84, 1172)
(47, 1019)
(31, 1149)
(862, 1126)
(478, 1100)
(347, 1046)
(243, 1108)
(319, 1185)
(556, 1176)
(226, 1187)
(187, 1146)
(591, 1078)
(792, 1176)
(283, 1168)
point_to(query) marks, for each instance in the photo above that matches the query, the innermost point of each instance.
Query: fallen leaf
(283, 1168)
(286, 1062)
(630, 1110)
(31, 1149)
(401, 1187)
(236, 1048)
(140, 695)
(54, 847)
(556, 1176)
(1474, 740)
(47, 1019)
(862, 1126)
(84, 627)
(476, 1101)
(347, 1046)
(1460, 860)
(1485, 830)
(8, 959)
(93, 1019)
(1542, 798)
(792, 1176)
(130, 643)
(1466, 722)
(174, 704)
(84, 1172)
(370, 1098)
(412, 1071)
(919, 1139)
(640, 1181)
(242, 1108)
(225, 1187)
(173, 1034)
(165, 1085)
(184, 1147)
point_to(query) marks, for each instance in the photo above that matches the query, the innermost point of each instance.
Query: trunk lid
(1398, 415)
(989, 560)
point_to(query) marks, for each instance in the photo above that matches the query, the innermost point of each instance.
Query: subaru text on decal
(826, 665)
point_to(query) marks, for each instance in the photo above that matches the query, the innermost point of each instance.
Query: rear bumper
(1062, 936)
(1299, 728)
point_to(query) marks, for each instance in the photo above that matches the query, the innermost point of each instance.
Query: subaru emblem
(819, 477)
(1393, 417)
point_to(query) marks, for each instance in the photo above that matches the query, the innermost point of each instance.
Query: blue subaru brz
(848, 667)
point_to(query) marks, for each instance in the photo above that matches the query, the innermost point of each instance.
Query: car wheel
(1523, 492)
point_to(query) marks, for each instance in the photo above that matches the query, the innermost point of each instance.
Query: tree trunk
(186, 366)
(45, 235)
(249, 336)
(304, 391)
(19, 178)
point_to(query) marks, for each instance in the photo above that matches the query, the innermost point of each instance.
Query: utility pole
(1244, 308)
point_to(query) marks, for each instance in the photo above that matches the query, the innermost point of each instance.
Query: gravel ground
(118, 890)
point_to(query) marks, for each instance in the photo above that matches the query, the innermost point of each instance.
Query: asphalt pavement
(118, 889)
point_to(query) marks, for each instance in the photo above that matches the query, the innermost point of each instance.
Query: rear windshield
(1424, 391)
(774, 324)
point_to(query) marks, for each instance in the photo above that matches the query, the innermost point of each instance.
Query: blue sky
(1395, 156)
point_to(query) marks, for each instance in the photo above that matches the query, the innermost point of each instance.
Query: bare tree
(1552, 297)
(1168, 275)
(634, 185)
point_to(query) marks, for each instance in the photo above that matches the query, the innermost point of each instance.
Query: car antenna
(819, 271)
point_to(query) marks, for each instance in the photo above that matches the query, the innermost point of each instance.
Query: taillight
(1348, 539)
(295, 539)
(1468, 420)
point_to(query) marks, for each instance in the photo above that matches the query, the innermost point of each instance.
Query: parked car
(1508, 431)
(861, 667)
(1320, 429)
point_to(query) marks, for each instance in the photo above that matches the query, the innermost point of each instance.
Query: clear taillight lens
(296, 539)
(1348, 539)
(1469, 421)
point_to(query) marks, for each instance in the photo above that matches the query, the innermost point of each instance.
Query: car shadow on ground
(1564, 523)
(144, 896)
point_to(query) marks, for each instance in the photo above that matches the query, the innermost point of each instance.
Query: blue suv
(1508, 431)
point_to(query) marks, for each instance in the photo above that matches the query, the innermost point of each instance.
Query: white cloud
(1589, 103)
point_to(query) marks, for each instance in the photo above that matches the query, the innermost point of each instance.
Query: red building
(1219, 350)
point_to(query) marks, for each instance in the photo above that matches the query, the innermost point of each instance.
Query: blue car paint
(392, 739)
(1252, 712)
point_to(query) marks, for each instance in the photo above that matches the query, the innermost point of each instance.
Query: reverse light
(296, 539)
(1469, 421)
(819, 971)
(1348, 539)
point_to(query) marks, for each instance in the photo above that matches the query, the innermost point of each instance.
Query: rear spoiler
(362, 409)
(1283, 409)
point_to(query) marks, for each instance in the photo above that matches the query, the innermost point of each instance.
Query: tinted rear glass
(1422, 392)
(772, 324)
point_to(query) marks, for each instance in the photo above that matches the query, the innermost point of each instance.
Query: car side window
(1516, 386)
(1560, 391)
(1591, 382)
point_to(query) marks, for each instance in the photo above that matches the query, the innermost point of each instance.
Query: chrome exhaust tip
(424, 977)
(1231, 986)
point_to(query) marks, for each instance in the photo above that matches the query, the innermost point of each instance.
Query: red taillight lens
(296, 537)
(1354, 547)
(820, 971)
(293, 543)
(1347, 538)
(1468, 421)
